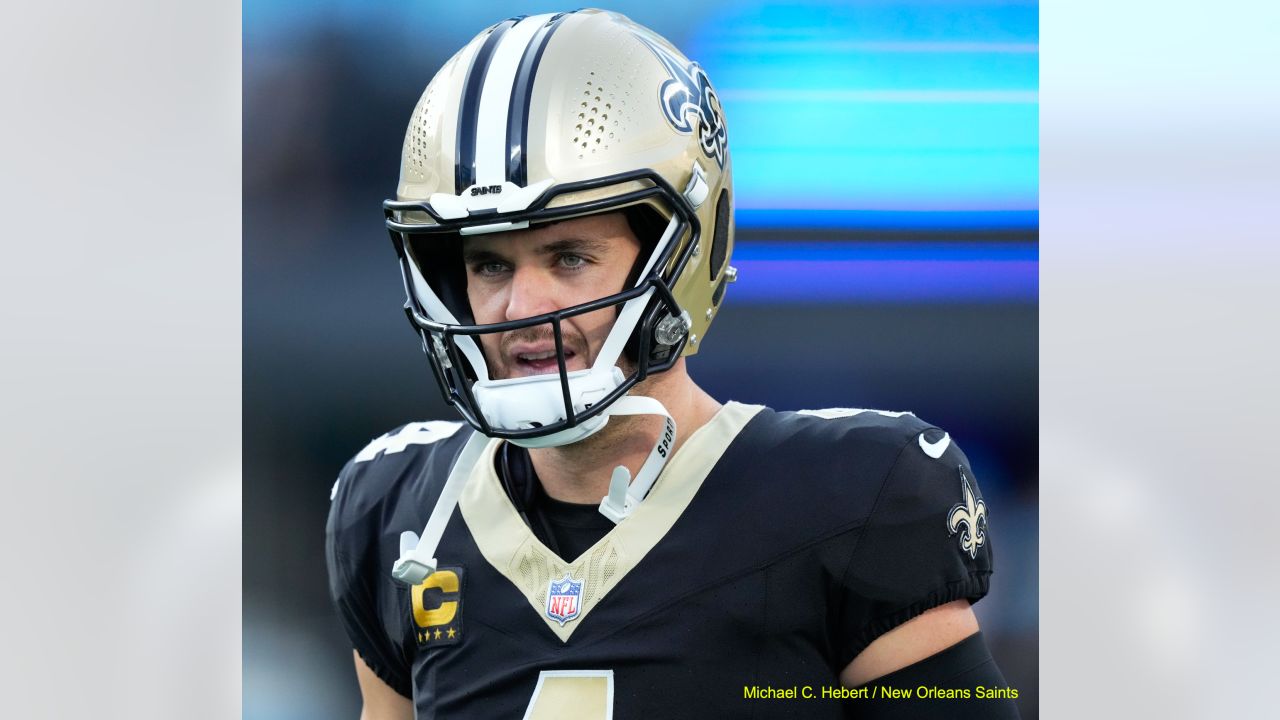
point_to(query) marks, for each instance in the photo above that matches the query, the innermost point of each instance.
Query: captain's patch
(437, 608)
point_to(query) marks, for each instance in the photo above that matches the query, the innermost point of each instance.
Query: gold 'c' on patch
(437, 608)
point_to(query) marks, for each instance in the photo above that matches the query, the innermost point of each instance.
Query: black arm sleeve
(959, 683)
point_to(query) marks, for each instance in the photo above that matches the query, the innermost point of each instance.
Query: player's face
(521, 274)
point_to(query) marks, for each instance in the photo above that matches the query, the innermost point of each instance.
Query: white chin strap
(417, 554)
(624, 495)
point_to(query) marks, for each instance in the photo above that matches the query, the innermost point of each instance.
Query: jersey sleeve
(358, 591)
(924, 544)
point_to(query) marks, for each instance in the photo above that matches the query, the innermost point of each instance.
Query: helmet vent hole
(422, 128)
(601, 95)
(720, 238)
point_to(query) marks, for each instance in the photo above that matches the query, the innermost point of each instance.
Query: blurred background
(886, 170)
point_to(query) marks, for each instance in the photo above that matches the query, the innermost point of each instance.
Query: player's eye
(489, 268)
(572, 262)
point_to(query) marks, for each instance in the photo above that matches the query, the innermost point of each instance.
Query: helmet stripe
(464, 171)
(495, 101)
(521, 92)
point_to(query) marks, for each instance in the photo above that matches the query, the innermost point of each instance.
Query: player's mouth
(539, 361)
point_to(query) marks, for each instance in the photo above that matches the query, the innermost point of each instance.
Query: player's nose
(532, 292)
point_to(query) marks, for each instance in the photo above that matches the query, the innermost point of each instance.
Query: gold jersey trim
(515, 552)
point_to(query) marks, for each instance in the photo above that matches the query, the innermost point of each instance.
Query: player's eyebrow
(477, 256)
(574, 245)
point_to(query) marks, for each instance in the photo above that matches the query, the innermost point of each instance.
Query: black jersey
(773, 548)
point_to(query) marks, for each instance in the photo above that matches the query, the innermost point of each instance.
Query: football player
(601, 538)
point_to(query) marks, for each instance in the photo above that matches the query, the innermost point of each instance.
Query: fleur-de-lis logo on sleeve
(969, 518)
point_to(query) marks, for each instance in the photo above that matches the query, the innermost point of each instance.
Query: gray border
(120, 360)
(1158, 337)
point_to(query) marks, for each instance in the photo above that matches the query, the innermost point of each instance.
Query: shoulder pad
(896, 428)
(413, 459)
(862, 425)
(833, 413)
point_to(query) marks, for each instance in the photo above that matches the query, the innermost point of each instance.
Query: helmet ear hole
(720, 239)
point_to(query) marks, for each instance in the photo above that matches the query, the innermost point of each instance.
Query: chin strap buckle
(409, 569)
(616, 505)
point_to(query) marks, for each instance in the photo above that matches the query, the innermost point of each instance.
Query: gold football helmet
(541, 119)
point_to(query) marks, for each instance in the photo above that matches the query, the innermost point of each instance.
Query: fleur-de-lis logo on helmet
(969, 518)
(689, 94)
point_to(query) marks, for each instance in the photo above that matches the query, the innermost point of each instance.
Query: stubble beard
(620, 430)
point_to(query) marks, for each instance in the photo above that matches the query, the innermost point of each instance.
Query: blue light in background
(866, 115)
(797, 272)
(923, 111)
(918, 114)
(941, 220)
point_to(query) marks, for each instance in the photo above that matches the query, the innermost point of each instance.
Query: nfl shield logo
(564, 599)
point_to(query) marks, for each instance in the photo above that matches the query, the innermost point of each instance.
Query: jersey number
(586, 694)
(419, 433)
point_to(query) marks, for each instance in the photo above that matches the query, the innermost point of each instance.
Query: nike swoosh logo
(935, 449)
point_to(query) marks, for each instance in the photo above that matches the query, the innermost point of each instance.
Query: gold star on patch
(452, 632)
(438, 633)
